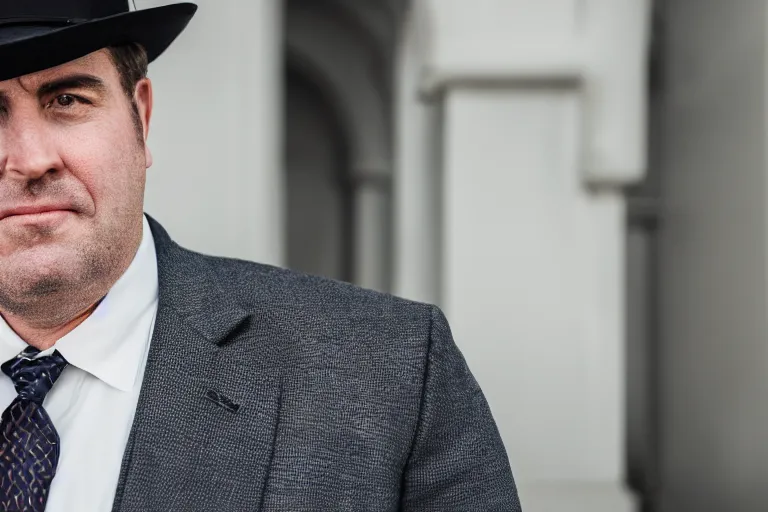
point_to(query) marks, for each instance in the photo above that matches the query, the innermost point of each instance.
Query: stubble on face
(51, 276)
(48, 275)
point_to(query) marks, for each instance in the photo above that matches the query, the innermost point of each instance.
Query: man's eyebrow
(88, 82)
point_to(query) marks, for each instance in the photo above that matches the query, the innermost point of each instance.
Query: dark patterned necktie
(29, 444)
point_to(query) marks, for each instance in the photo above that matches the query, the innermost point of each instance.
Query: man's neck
(44, 337)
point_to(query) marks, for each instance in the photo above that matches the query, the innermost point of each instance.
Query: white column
(217, 182)
(533, 286)
(541, 128)
(371, 244)
(260, 115)
(416, 189)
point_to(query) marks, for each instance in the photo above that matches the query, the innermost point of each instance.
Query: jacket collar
(184, 275)
(202, 397)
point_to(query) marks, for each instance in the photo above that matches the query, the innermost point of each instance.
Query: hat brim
(155, 29)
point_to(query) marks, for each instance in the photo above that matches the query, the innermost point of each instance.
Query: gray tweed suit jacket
(268, 390)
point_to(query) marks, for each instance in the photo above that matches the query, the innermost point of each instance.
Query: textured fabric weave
(30, 445)
(267, 390)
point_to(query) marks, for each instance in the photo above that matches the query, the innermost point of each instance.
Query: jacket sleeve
(458, 462)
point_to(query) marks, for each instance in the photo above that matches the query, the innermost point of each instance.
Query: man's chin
(31, 293)
(41, 266)
(47, 286)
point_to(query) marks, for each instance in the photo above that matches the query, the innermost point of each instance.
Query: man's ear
(143, 99)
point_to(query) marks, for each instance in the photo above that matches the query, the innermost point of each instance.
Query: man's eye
(65, 100)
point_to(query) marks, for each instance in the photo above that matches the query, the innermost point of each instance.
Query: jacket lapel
(203, 434)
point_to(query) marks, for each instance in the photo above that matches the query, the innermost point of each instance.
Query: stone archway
(318, 189)
(348, 47)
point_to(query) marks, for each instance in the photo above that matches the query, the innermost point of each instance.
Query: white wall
(217, 182)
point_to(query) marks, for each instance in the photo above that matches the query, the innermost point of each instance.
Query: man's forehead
(93, 64)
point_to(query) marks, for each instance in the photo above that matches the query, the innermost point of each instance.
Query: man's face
(72, 175)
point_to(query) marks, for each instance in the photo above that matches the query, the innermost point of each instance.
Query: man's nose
(27, 151)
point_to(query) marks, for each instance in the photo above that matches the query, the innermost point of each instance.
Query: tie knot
(34, 378)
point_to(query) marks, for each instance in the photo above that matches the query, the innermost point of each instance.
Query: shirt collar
(110, 344)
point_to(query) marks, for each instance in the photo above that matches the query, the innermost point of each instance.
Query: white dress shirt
(93, 402)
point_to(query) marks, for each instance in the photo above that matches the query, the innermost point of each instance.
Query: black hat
(41, 34)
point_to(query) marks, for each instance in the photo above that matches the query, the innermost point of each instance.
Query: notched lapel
(186, 452)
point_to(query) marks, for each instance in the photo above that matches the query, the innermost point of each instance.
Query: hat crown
(66, 9)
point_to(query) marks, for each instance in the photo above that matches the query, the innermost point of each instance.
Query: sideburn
(137, 124)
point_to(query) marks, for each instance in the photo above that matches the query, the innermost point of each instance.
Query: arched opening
(339, 60)
(318, 187)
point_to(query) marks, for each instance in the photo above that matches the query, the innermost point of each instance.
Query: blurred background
(581, 185)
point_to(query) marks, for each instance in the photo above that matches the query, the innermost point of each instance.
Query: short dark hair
(132, 65)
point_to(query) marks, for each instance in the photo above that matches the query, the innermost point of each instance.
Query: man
(140, 376)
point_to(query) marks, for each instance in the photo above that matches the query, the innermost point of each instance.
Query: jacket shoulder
(250, 281)
(326, 324)
(256, 283)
